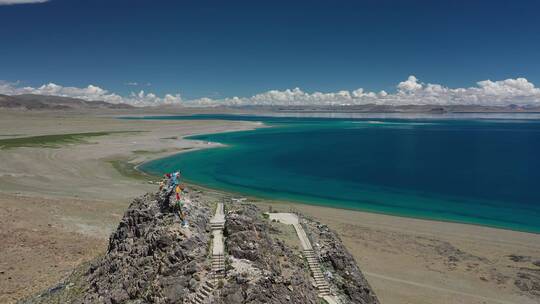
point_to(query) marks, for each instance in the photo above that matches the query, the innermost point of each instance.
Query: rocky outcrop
(152, 259)
(341, 268)
(268, 271)
(149, 257)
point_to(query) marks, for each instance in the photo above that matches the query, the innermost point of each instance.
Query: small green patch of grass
(148, 152)
(128, 169)
(52, 141)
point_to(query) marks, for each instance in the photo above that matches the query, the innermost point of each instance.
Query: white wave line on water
(377, 122)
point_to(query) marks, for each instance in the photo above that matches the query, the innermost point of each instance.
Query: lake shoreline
(310, 199)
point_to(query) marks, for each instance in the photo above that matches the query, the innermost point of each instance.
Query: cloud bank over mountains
(91, 93)
(409, 92)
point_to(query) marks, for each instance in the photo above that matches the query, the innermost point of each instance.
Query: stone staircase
(203, 293)
(218, 266)
(320, 281)
(217, 224)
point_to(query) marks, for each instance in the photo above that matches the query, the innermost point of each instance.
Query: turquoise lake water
(478, 171)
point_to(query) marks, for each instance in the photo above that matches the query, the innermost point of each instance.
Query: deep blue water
(479, 171)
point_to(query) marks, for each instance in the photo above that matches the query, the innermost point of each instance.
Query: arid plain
(60, 200)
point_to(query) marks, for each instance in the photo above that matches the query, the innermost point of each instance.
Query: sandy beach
(59, 204)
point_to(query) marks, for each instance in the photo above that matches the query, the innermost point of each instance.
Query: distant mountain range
(42, 102)
(378, 108)
(46, 102)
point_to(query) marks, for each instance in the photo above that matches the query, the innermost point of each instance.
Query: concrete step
(323, 288)
(200, 298)
(203, 293)
(207, 288)
(322, 294)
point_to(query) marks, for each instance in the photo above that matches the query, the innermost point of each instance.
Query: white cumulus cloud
(408, 92)
(12, 2)
(411, 91)
(409, 85)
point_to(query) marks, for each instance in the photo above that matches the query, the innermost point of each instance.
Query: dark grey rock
(345, 276)
(151, 260)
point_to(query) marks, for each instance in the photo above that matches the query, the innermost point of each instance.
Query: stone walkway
(217, 224)
(313, 261)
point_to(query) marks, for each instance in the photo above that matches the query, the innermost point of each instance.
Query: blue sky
(240, 48)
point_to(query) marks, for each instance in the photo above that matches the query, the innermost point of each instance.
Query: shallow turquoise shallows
(478, 171)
